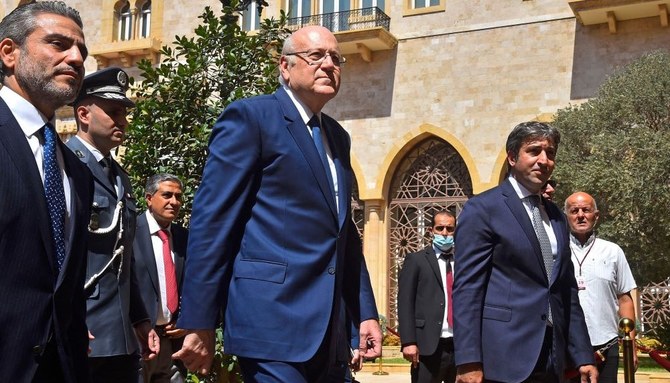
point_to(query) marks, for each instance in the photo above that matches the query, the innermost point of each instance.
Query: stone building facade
(430, 90)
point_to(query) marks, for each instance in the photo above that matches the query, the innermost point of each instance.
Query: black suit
(147, 274)
(40, 305)
(421, 307)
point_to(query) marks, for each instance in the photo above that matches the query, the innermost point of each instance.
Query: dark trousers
(163, 369)
(49, 369)
(438, 367)
(115, 369)
(608, 370)
(544, 371)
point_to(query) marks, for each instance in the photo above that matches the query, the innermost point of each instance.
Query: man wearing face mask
(424, 305)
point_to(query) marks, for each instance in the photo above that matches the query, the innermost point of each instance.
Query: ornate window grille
(654, 305)
(432, 177)
(357, 210)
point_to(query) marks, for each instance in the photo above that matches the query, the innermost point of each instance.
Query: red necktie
(170, 275)
(450, 286)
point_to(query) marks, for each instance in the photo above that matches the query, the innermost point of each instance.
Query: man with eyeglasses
(424, 302)
(272, 242)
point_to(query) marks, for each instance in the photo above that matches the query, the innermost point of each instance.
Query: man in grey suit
(42, 244)
(424, 296)
(159, 250)
(115, 311)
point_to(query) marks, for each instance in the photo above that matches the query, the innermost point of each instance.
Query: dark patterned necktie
(315, 125)
(106, 164)
(53, 190)
(543, 238)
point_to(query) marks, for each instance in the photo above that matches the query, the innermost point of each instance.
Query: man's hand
(172, 332)
(371, 339)
(356, 363)
(150, 343)
(470, 373)
(589, 373)
(197, 352)
(90, 337)
(411, 353)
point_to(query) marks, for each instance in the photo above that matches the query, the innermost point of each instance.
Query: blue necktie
(318, 142)
(53, 189)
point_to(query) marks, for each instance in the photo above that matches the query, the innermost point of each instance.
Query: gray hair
(20, 23)
(154, 181)
(288, 47)
(530, 130)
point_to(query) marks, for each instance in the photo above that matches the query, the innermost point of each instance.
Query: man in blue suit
(45, 197)
(271, 240)
(513, 323)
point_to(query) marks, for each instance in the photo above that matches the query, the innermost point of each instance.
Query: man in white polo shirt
(604, 281)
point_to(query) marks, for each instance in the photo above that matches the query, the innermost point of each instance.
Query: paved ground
(403, 377)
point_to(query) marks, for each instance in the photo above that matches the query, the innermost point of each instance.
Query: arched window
(125, 25)
(145, 19)
(431, 177)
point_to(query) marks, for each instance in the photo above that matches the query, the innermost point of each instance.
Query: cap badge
(122, 78)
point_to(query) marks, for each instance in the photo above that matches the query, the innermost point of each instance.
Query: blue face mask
(443, 243)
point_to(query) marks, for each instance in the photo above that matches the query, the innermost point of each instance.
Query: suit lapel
(338, 152)
(302, 138)
(15, 143)
(431, 258)
(558, 227)
(144, 244)
(177, 240)
(81, 151)
(519, 212)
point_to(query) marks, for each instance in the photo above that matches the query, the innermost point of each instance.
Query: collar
(304, 111)
(29, 118)
(520, 190)
(96, 153)
(154, 227)
(588, 242)
(438, 252)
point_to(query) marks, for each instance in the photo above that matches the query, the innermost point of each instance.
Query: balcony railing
(355, 19)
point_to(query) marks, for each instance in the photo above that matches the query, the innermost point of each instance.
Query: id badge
(581, 282)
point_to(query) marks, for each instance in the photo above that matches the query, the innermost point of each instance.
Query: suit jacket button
(543, 317)
(37, 350)
(331, 270)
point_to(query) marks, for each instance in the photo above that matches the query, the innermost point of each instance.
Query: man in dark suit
(115, 311)
(159, 250)
(424, 295)
(516, 311)
(271, 237)
(45, 195)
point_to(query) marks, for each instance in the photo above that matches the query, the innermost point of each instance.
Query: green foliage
(181, 98)
(615, 147)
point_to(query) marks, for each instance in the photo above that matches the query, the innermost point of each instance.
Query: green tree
(616, 147)
(180, 99)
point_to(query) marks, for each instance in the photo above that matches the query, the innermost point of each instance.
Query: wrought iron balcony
(354, 19)
(360, 31)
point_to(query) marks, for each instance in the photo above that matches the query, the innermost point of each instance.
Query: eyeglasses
(441, 228)
(316, 57)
